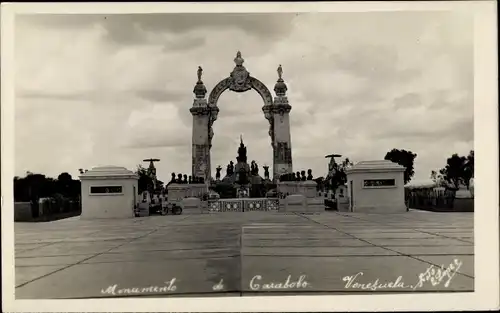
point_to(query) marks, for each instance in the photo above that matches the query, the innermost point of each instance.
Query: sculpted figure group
(185, 179)
(298, 176)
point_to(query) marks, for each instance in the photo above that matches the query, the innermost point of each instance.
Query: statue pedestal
(242, 191)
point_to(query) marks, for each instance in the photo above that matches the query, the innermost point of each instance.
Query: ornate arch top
(240, 81)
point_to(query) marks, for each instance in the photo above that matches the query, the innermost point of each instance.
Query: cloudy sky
(115, 89)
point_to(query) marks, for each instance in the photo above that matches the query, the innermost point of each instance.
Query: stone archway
(275, 111)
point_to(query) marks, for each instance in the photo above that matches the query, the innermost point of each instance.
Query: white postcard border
(486, 216)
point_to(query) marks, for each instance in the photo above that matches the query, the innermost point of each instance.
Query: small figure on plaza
(217, 175)
(309, 174)
(266, 171)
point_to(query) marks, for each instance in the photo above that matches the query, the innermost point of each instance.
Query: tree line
(34, 186)
(458, 170)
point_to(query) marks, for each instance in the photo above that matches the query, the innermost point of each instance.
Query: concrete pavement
(245, 254)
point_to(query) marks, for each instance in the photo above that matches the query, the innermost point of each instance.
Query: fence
(243, 205)
(46, 209)
(433, 200)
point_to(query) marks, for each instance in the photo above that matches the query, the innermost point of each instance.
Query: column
(200, 137)
(282, 160)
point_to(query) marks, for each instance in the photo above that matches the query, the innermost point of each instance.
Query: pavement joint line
(384, 247)
(43, 246)
(118, 252)
(240, 263)
(415, 229)
(350, 256)
(81, 261)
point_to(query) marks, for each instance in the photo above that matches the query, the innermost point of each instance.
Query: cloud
(115, 89)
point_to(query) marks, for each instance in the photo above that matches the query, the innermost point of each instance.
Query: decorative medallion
(240, 78)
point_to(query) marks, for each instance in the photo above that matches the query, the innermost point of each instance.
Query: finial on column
(238, 60)
(280, 88)
(200, 90)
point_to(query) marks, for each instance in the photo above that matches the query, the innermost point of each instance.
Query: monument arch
(205, 113)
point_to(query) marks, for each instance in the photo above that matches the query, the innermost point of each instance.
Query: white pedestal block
(191, 206)
(315, 205)
(295, 203)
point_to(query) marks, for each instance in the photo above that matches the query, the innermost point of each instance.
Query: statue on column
(199, 73)
(280, 72)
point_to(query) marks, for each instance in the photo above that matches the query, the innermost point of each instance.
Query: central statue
(242, 177)
(242, 169)
(242, 152)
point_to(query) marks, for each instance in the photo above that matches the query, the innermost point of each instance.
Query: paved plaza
(247, 253)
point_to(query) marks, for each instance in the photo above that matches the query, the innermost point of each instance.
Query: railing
(243, 205)
(430, 200)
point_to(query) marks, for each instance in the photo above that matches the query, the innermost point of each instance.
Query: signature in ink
(219, 286)
(436, 275)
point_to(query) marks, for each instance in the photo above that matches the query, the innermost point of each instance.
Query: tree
(64, 184)
(33, 186)
(339, 176)
(145, 181)
(468, 172)
(405, 158)
(458, 170)
(320, 183)
(438, 179)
